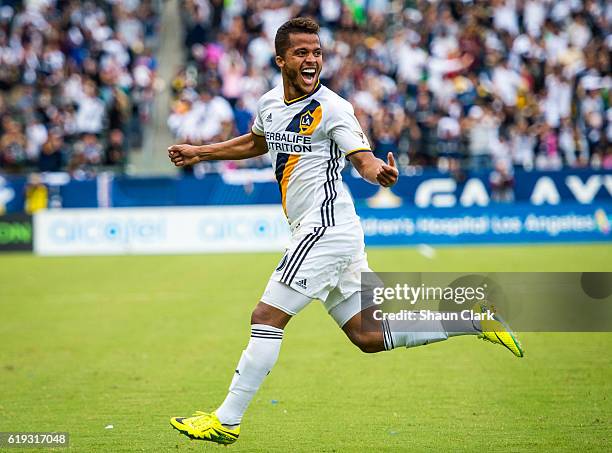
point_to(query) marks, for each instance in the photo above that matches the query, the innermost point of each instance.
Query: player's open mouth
(308, 75)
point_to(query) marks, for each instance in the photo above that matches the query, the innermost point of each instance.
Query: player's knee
(270, 316)
(261, 314)
(367, 342)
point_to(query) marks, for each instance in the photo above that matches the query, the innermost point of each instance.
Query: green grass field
(130, 341)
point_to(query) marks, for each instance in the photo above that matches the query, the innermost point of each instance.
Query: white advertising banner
(160, 230)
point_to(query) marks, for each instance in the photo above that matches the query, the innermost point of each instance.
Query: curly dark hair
(298, 25)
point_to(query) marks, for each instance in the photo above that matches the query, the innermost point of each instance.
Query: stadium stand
(460, 84)
(449, 84)
(76, 83)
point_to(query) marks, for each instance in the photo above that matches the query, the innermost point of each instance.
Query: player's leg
(368, 339)
(355, 315)
(268, 320)
(279, 303)
(371, 334)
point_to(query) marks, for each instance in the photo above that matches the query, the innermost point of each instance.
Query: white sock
(412, 333)
(457, 327)
(255, 364)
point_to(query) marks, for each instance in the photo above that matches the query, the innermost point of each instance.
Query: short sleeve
(258, 127)
(344, 129)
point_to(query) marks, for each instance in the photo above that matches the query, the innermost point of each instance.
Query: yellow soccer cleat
(205, 426)
(497, 331)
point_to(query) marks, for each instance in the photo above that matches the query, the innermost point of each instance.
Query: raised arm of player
(242, 147)
(375, 170)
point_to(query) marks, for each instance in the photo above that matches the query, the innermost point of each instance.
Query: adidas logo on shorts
(301, 283)
(269, 118)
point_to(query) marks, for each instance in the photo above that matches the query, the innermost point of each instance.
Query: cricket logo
(306, 121)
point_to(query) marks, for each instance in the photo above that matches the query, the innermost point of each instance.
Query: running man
(309, 132)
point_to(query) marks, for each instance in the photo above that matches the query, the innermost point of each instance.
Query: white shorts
(322, 263)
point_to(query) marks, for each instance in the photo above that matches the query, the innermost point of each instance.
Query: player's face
(302, 62)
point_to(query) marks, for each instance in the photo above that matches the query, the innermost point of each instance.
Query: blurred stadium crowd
(465, 84)
(476, 84)
(76, 82)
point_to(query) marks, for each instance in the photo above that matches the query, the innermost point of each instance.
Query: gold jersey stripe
(289, 167)
(292, 101)
(356, 150)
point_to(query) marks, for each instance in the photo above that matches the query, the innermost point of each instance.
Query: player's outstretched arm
(375, 170)
(243, 147)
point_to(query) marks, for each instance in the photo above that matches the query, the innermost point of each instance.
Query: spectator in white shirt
(90, 111)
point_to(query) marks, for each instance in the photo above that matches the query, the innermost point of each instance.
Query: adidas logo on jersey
(269, 118)
(301, 283)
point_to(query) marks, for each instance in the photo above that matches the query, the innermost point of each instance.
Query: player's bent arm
(366, 165)
(242, 147)
(375, 170)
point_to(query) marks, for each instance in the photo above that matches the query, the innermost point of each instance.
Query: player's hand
(182, 155)
(387, 173)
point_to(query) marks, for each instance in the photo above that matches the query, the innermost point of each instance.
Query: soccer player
(309, 132)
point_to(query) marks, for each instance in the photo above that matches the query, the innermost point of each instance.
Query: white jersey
(308, 139)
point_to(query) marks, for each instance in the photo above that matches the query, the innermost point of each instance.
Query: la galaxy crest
(306, 121)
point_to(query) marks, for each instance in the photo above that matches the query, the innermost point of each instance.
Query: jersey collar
(301, 98)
